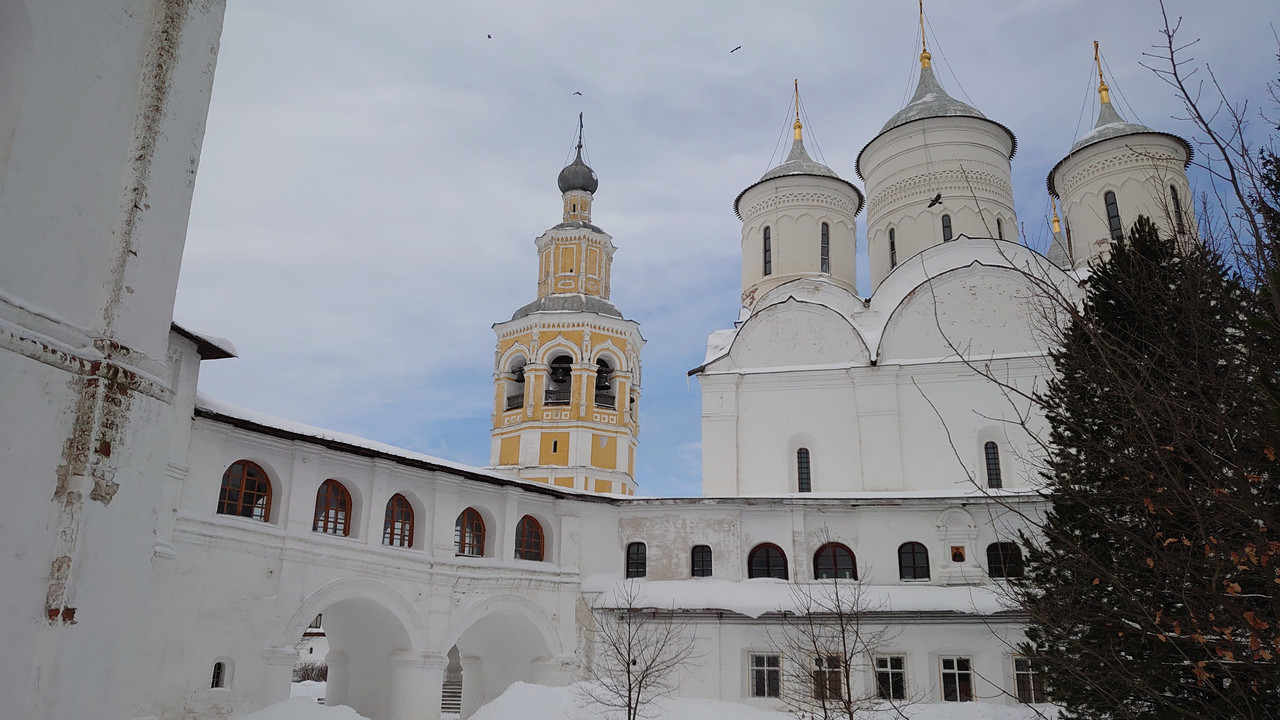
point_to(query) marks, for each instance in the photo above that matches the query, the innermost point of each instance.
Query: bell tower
(567, 365)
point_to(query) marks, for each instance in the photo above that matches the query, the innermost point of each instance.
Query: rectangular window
(766, 675)
(957, 679)
(1029, 684)
(891, 677)
(828, 678)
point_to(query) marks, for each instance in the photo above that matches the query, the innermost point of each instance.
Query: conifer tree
(1152, 592)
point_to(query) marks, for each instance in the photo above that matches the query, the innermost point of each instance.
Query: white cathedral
(163, 555)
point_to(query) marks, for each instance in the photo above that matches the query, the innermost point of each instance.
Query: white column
(416, 680)
(335, 691)
(472, 685)
(278, 674)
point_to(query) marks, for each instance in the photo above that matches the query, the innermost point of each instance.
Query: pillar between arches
(417, 677)
(335, 691)
(473, 683)
(278, 675)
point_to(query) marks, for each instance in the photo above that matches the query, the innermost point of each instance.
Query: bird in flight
(735, 50)
(936, 200)
(575, 92)
(489, 36)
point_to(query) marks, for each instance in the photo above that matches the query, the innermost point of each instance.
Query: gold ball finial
(1057, 224)
(924, 59)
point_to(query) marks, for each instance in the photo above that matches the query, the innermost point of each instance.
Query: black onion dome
(577, 175)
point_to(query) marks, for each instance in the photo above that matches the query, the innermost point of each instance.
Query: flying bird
(735, 50)
(575, 92)
(489, 36)
(936, 199)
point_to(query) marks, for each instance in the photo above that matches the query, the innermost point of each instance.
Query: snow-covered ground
(537, 702)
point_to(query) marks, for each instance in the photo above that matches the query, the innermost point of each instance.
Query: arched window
(468, 534)
(560, 381)
(333, 509)
(605, 397)
(834, 561)
(701, 558)
(515, 385)
(913, 561)
(219, 675)
(636, 562)
(946, 228)
(825, 263)
(804, 478)
(1004, 560)
(992, 453)
(999, 229)
(529, 539)
(767, 561)
(1177, 210)
(1113, 216)
(768, 252)
(893, 249)
(397, 524)
(246, 491)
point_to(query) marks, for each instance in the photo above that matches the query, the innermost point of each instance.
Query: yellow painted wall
(540, 480)
(509, 451)
(631, 461)
(564, 482)
(554, 449)
(604, 452)
(604, 486)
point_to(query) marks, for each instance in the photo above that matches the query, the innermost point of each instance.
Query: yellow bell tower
(567, 366)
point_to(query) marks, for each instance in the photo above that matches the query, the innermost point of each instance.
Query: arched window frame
(999, 229)
(768, 561)
(516, 385)
(637, 560)
(804, 471)
(1113, 216)
(991, 455)
(530, 540)
(333, 509)
(824, 263)
(768, 251)
(1004, 560)
(946, 229)
(559, 380)
(700, 561)
(605, 397)
(893, 248)
(221, 678)
(913, 561)
(1178, 219)
(835, 561)
(398, 522)
(236, 498)
(469, 534)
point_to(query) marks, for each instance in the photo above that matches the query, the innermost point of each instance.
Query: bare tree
(829, 642)
(637, 655)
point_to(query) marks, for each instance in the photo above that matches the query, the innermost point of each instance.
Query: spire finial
(1103, 91)
(924, 44)
(798, 125)
(579, 133)
(1057, 224)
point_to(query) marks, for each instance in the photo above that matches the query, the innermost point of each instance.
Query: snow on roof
(211, 347)
(302, 708)
(538, 702)
(758, 596)
(718, 344)
(238, 415)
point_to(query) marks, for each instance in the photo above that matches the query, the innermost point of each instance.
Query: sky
(374, 174)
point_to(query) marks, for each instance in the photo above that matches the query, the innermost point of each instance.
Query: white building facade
(842, 435)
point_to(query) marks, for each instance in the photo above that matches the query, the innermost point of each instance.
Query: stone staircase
(451, 698)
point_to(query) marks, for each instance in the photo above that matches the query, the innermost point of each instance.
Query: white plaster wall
(965, 159)
(99, 148)
(794, 208)
(1139, 169)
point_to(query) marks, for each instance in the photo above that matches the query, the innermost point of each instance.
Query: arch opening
(497, 650)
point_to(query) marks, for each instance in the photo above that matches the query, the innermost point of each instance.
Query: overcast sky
(374, 173)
